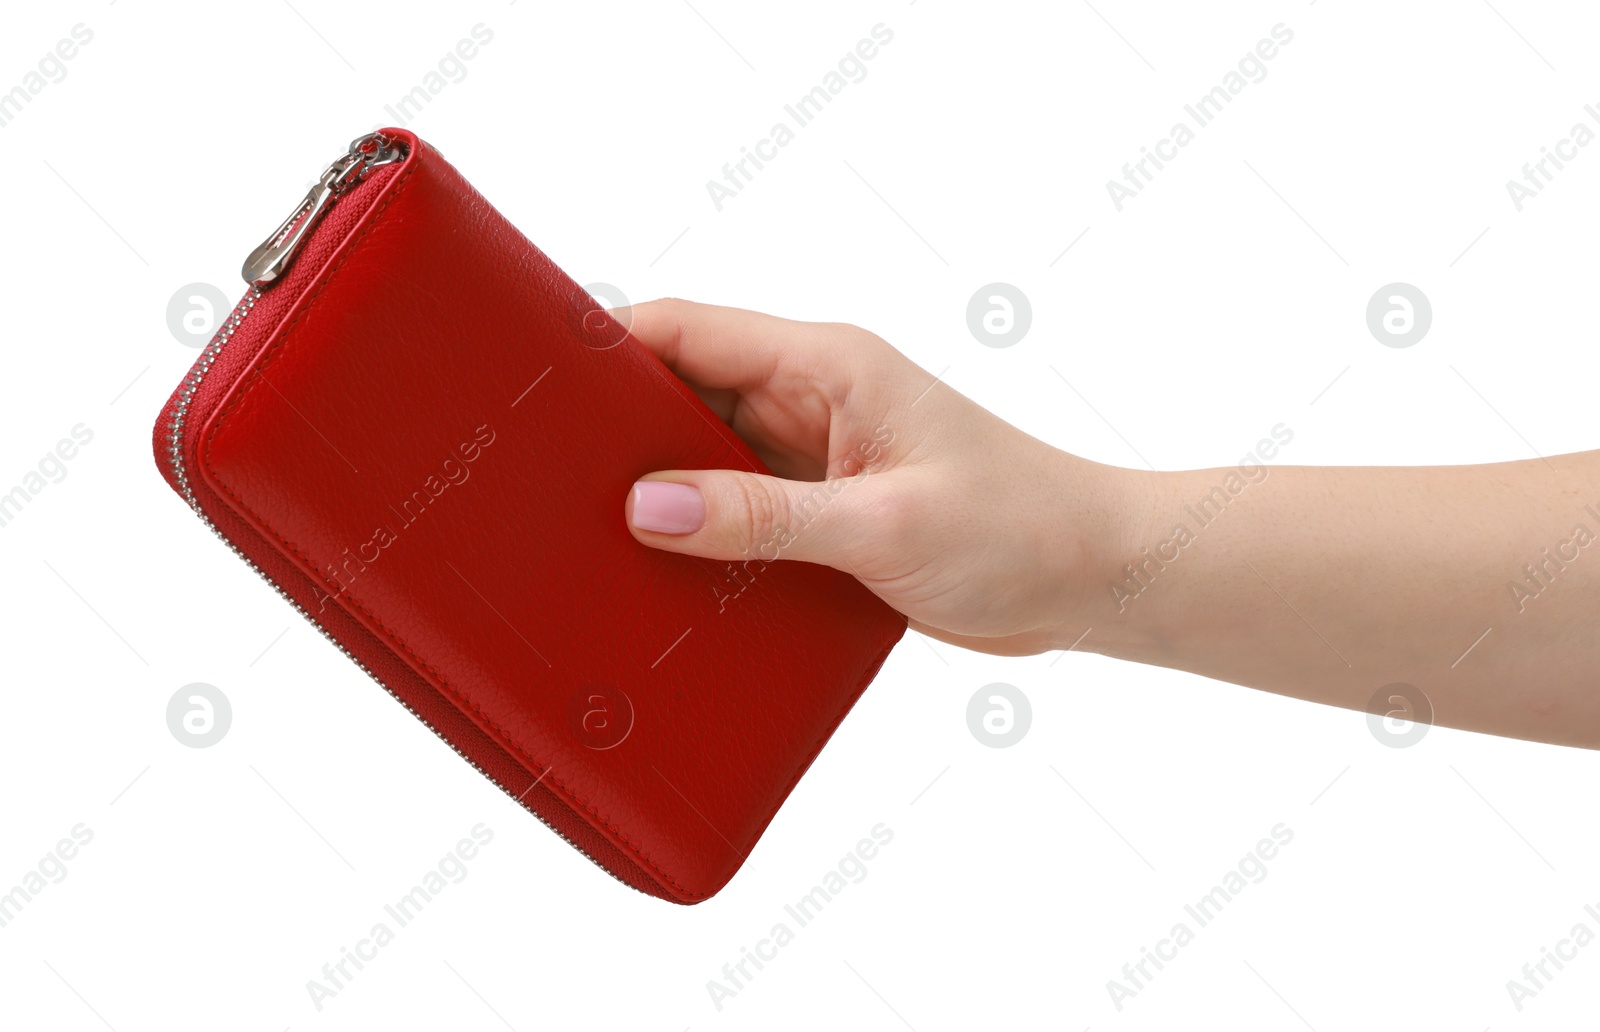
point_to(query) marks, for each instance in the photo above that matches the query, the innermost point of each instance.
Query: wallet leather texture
(422, 435)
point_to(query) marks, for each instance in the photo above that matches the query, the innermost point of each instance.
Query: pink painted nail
(667, 508)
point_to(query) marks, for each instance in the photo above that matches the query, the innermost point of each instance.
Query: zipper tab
(271, 259)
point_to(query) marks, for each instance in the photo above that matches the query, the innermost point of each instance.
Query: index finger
(724, 348)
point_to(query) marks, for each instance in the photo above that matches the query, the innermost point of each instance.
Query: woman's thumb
(726, 514)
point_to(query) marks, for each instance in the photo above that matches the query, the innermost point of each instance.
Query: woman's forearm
(1478, 585)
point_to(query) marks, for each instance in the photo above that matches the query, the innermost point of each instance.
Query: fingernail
(667, 508)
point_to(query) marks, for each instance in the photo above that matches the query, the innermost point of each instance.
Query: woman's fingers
(724, 348)
(734, 515)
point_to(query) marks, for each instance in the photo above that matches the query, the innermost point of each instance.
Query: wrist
(1111, 516)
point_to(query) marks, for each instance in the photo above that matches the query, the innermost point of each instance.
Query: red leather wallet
(421, 432)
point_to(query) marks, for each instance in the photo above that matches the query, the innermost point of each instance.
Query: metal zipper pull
(272, 258)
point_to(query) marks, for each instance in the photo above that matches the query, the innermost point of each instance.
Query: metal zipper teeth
(190, 387)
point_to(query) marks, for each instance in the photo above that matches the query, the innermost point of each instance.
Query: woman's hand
(1343, 586)
(980, 534)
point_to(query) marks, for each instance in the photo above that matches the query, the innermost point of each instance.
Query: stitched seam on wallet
(460, 698)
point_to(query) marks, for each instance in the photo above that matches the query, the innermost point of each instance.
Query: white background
(1224, 299)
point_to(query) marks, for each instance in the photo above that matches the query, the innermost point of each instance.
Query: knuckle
(861, 349)
(889, 512)
(672, 310)
(847, 334)
(756, 510)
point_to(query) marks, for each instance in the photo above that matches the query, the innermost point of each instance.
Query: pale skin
(1322, 583)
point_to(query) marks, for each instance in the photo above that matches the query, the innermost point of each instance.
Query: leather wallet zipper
(262, 268)
(272, 257)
